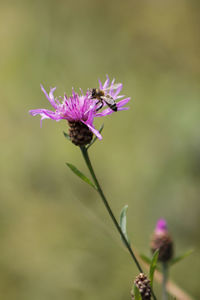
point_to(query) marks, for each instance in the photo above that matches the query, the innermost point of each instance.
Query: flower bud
(162, 240)
(143, 285)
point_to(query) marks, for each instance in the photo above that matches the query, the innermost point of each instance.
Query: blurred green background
(56, 239)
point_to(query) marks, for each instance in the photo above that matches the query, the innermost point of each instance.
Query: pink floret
(81, 108)
(161, 226)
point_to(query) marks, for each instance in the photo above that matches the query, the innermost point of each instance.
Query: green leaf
(122, 221)
(95, 138)
(153, 266)
(181, 257)
(66, 135)
(81, 175)
(136, 293)
(148, 260)
(145, 258)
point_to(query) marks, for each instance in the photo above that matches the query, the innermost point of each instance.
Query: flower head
(73, 109)
(80, 111)
(143, 284)
(161, 240)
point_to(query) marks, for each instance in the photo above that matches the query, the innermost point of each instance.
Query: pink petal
(50, 97)
(118, 90)
(93, 130)
(100, 85)
(105, 112)
(123, 102)
(106, 84)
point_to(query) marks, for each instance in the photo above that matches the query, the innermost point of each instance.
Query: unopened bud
(162, 241)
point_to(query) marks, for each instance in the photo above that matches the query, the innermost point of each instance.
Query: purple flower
(161, 226)
(80, 108)
(73, 109)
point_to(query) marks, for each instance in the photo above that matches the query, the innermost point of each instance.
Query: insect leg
(100, 106)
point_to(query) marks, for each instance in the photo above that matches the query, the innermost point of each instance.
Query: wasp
(103, 96)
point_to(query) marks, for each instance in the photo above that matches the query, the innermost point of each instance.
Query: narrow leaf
(66, 135)
(153, 266)
(122, 221)
(145, 258)
(136, 293)
(81, 175)
(181, 257)
(95, 138)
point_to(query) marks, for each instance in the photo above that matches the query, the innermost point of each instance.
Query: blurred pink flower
(161, 226)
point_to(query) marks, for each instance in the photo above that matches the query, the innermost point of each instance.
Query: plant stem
(99, 189)
(164, 282)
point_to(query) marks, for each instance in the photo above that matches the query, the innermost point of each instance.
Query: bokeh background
(56, 239)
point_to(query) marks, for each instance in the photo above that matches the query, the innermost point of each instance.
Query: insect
(103, 96)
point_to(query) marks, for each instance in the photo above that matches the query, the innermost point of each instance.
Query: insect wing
(109, 101)
(113, 87)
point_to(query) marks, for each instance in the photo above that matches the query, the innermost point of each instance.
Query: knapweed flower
(143, 285)
(79, 111)
(161, 240)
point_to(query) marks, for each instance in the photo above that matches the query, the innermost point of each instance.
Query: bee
(102, 96)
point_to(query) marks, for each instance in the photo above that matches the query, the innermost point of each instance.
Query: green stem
(164, 282)
(99, 189)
